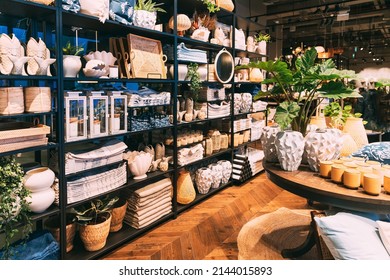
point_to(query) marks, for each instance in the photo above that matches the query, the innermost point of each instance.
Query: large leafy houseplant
(14, 209)
(300, 87)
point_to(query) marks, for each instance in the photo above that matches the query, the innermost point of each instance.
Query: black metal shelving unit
(56, 23)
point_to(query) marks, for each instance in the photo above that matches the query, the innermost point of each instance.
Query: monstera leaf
(285, 113)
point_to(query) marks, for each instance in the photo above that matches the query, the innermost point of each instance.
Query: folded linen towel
(134, 217)
(147, 208)
(147, 221)
(151, 198)
(152, 188)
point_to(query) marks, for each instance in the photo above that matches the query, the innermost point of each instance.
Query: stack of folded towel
(194, 55)
(148, 204)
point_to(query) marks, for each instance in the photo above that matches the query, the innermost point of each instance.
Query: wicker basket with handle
(11, 100)
(37, 99)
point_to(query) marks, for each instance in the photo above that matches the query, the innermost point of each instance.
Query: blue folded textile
(40, 246)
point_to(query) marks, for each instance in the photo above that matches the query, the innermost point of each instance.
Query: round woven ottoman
(264, 237)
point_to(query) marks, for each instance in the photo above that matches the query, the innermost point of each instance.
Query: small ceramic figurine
(250, 44)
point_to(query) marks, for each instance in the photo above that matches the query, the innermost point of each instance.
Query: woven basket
(118, 214)
(94, 237)
(37, 99)
(11, 100)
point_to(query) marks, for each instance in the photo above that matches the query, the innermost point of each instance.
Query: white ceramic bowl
(38, 179)
(140, 164)
(40, 201)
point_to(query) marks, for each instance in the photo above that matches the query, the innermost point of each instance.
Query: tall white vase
(289, 146)
(268, 142)
(319, 146)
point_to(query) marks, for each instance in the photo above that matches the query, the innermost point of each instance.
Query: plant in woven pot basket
(94, 222)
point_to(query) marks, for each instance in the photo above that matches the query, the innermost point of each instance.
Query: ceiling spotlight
(370, 51)
(361, 48)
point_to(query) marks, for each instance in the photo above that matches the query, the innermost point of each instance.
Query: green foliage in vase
(194, 78)
(302, 84)
(14, 208)
(211, 6)
(149, 5)
(89, 213)
(70, 49)
(262, 37)
(339, 115)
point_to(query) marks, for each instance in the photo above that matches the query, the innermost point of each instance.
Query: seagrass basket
(94, 236)
(11, 100)
(37, 99)
(118, 214)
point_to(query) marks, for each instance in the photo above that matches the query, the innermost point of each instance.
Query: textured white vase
(338, 141)
(319, 146)
(268, 142)
(227, 169)
(145, 19)
(289, 146)
(203, 180)
(216, 171)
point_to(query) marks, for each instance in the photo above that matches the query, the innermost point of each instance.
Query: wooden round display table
(312, 186)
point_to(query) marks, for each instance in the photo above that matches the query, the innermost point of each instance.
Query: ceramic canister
(325, 168)
(371, 184)
(386, 183)
(351, 178)
(363, 170)
(337, 173)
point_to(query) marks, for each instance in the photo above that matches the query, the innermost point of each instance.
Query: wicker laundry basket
(37, 99)
(11, 100)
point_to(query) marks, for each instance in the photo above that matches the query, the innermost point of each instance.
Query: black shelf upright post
(175, 109)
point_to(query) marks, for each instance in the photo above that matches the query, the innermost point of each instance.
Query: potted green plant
(211, 5)
(71, 59)
(262, 39)
(145, 13)
(94, 219)
(337, 116)
(300, 87)
(194, 77)
(15, 220)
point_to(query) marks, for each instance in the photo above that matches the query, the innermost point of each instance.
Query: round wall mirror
(224, 66)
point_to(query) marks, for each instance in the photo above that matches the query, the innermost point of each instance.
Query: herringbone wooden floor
(209, 230)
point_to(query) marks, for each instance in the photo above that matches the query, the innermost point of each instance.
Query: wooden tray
(147, 60)
(9, 129)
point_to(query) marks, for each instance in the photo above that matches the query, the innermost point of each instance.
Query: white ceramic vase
(261, 47)
(139, 163)
(38, 179)
(268, 142)
(338, 141)
(202, 71)
(216, 171)
(319, 146)
(41, 200)
(203, 180)
(227, 169)
(144, 19)
(72, 65)
(289, 146)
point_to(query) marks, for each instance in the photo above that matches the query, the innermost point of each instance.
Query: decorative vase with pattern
(216, 171)
(145, 19)
(337, 136)
(348, 145)
(319, 146)
(227, 169)
(289, 146)
(268, 142)
(185, 188)
(203, 180)
(354, 126)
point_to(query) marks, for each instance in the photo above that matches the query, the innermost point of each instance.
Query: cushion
(349, 236)
(384, 233)
(379, 151)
